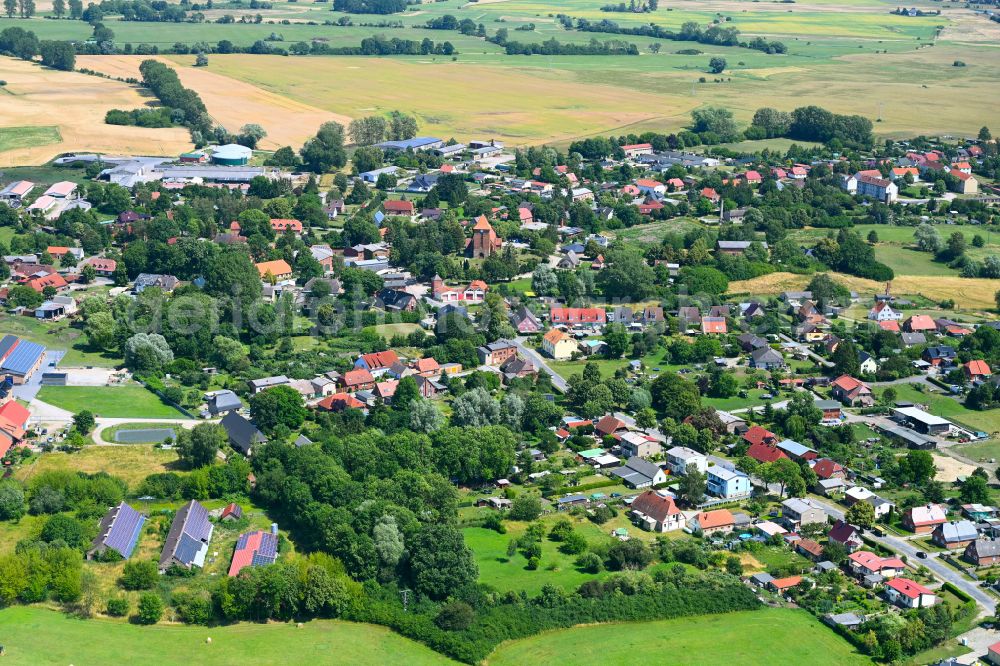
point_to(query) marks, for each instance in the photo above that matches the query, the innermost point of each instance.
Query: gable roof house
(846, 535)
(639, 473)
(766, 358)
(525, 321)
(187, 542)
(656, 512)
(955, 534)
(243, 435)
(866, 563)
(254, 549)
(909, 594)
(983, 552)
(851, 391)
(119, 530)
(924, 519)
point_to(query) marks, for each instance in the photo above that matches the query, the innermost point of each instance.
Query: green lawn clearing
(12, 138)
(109, 401)
(765, 637)
(387, 331)
(37, 636)
(58, 336)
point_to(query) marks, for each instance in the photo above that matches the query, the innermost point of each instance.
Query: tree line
(25, 45)
(689, 32)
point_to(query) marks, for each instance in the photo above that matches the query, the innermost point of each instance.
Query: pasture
(71, 640)
(761, 637)
(109, 401)
(41, 99)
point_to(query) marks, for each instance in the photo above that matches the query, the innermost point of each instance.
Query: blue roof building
(120, 529)
(416, 143)
(22, 359)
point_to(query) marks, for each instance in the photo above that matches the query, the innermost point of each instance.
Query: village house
(525, 321)
(983, 552)
(635, 444)
(866, 563)
(846, 535)
(906, 593)
(680, 458)
(797, 512)
(726, 483)
(582, 317)
(924, 519)
(955, 534)
(709, 522)
(851, 392)
(497, 353)
(558, 345)
(640, 473)
(277, 270)
(657, 513)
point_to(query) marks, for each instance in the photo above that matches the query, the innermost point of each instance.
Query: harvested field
(967, 292)
(524, 106)
(233, 103)
(72, 107)
(949, 469)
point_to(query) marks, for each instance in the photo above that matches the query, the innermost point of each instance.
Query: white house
(679, 458)
(906, 593)
(884, 312)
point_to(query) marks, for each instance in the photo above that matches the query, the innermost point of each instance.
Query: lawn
(68, 640)
(981, 451)
(511, 574)
(767, 636)
(109, 401)
(132, 462)
(950, 408)
(12, 138)
(58, 336)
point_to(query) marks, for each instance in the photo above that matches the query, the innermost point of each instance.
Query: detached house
(851, 392)
(639, 473)
(558, 345)
(865, 563)
(908, 594)
(657, 513)
(713, 521)
(924, 519)
(955, 534)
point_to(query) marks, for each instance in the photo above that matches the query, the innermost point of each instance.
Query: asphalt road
(536, 358)
(987, 603)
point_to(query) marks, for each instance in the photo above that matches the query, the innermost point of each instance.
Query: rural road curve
(987, 603)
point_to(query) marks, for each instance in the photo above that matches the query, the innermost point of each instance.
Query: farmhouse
(924, 519)
(955, 534)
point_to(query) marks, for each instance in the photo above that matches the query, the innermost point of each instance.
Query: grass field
(763, 637)
(133, 463)
(69, 640)
(58, 336)
(15, 138)
(109, 401)
(387, 331)
(41, 98)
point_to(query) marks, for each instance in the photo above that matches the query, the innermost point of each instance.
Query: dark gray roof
(242, 433)
(224, 401)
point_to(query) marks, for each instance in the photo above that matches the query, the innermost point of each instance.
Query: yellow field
(451, 99)
(975, 293)
(233, 103)
(75, 104)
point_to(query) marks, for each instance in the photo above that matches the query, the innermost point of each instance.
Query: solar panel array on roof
(187, 549)
(197, 524)
(24, 357)
(125, 530)
(7, 344)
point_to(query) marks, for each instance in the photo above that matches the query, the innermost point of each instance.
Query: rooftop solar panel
(125, 530)
(23, 358)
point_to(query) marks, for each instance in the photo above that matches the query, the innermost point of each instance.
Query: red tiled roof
(759, 435)
(978, 368)
(339, 401)
(764, 453)
(908, 588)
(382, 359)
(785, 583)
(357, 377)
